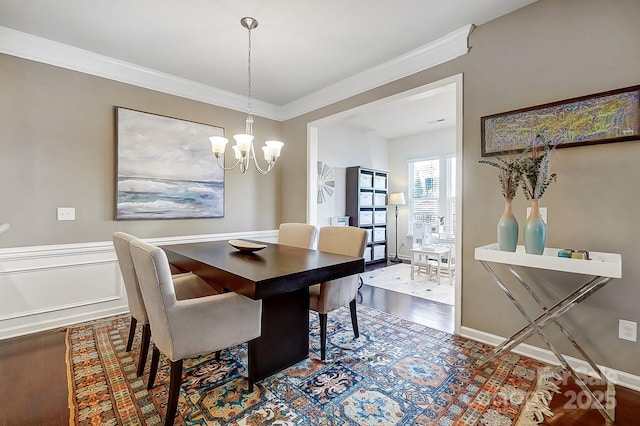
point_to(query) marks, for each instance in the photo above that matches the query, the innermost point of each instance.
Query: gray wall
(57, 149)
(548, 51)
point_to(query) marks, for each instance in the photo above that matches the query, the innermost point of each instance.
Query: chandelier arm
(244, 163)
(227, 168)
(255, 163)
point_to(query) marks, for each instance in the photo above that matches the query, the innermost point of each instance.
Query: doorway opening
(379, 111)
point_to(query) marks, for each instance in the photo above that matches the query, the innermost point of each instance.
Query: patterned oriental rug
(395, 373)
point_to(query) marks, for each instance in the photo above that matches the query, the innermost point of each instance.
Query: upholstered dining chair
(300, 235)
(187, 286)
(331, 295)
(187, 328)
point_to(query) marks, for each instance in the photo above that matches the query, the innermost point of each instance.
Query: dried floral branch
(508, 175)
(534, 168)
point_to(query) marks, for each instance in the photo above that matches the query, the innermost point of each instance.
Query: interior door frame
(312, 159)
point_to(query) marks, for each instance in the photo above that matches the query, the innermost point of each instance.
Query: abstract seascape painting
(166, 169)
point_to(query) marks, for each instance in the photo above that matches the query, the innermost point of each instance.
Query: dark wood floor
(33, 381)
(421, 311)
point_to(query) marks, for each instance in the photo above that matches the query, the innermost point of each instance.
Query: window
(432, 192)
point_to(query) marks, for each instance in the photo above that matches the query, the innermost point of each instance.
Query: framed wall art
(165, 168)
(612, 116)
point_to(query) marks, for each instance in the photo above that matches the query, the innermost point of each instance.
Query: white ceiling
(299, 47)
(432, 110)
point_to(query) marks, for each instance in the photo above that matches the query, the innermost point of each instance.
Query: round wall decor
(326, 182)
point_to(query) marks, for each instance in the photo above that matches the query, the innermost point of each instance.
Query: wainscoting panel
(48, 287)
(42, 290)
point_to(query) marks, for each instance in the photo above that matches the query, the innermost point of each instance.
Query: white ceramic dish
(246, 246)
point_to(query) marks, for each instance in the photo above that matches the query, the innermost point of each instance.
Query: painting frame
(165, 168)
(565, 123)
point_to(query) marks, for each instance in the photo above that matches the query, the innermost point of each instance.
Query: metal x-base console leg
(551, 316)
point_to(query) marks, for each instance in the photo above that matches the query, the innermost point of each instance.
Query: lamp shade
(218, 144)
(243, 142)
(274, 147)
(397, 199)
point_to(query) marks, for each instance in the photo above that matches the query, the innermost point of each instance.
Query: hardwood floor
(421, 311)
(33, 380)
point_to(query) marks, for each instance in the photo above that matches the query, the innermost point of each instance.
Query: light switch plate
(543, 213)
(66, 213)
(628, 330)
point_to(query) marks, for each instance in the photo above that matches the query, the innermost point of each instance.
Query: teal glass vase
(535, 231)
(507, 229)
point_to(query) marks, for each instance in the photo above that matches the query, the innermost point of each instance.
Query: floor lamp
(396, 199)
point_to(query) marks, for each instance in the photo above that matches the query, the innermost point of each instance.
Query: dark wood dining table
(280, 276)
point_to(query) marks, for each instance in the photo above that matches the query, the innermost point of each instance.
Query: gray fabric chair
(331, 295)
(186, 285)
(300, 235)
(188, 328)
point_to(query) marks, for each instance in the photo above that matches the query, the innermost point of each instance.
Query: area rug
(398, 278)
(395, 373)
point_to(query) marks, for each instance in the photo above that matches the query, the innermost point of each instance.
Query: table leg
(413, 255)
(285, 335)
(550, 316)
(597, 282)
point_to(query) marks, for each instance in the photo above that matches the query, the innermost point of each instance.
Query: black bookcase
(366, 206)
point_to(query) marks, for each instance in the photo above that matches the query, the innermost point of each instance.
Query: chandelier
(243, 149)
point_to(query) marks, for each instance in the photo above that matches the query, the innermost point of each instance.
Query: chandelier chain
(249, 73)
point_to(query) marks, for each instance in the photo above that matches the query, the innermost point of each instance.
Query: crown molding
(49, 52)
(449, 47)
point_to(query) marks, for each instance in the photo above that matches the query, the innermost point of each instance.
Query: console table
(601, 269)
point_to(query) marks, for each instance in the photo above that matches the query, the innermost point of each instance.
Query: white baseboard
(617, 377)
(60, 322)
(49, 287)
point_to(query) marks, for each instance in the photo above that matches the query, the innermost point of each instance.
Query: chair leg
(354, 318)
(144, 348)
(132, 333)
(323, 335)
(174, 392)
(218, 355)
(155, 358)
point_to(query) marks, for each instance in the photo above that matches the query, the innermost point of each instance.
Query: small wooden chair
(447, 265)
